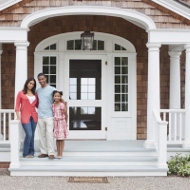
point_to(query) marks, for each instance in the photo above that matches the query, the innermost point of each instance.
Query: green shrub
(179, 165)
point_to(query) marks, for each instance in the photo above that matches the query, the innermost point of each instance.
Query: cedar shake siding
(13, 16)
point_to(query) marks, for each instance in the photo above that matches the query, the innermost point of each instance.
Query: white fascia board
(169, 36)
(175, 7)
(13, 34)
(7, 3)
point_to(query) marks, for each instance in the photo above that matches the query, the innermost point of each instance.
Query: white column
(153, 96)
(21, 66)
(1, 51)
(187, 99)
(175, 90)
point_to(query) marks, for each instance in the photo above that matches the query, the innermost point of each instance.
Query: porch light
(87, 39)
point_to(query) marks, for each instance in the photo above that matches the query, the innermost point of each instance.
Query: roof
(7, 3)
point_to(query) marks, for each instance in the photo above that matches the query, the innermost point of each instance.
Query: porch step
(94, 158)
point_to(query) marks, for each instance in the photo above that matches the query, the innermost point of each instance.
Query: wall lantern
(87, 39)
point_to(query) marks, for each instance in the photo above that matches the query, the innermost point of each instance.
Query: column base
(149, 144)
(186, 144)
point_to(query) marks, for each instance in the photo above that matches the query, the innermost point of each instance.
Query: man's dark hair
(41, 74)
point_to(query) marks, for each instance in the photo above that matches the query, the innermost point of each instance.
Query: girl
(26, 104)
(60, 121)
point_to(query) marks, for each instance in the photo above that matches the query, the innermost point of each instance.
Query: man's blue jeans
(29, 129)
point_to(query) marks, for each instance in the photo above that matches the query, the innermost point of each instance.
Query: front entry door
(86, 99)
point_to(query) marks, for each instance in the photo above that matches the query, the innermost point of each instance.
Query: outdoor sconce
(87, 39)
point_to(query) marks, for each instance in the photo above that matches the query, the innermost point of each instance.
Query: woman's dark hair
(26, 83)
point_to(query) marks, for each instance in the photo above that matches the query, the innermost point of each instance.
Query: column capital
(153, 46)
(21, 44)
(174, 54)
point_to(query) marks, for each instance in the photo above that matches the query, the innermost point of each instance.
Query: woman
(25, 109)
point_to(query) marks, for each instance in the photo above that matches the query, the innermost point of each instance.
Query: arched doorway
(99, 85)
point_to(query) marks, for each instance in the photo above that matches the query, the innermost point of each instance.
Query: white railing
(161, 140)
(176, 124)
(6, 115)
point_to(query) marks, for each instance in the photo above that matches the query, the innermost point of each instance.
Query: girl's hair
(61, 94)
(26, 88)
(56, 91)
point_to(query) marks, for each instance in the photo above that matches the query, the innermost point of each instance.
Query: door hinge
(106, 128)
(106, 62)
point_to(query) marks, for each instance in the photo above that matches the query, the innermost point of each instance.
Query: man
(45, 117)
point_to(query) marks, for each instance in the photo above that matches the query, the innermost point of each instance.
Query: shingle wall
(117, 26)
(163, 18)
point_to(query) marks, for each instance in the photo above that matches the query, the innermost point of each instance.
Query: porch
(98, 157)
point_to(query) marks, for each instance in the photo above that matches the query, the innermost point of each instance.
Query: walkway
(115, 183)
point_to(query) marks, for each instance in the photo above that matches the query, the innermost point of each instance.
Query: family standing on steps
(51, 117)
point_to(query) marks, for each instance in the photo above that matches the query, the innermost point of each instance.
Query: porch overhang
(140, 19)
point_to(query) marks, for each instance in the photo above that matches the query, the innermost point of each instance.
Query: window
(49, 68)
(121, 84)
(118, 47)
(76, 45)
(51, 47)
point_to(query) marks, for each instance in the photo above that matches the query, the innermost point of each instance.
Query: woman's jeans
(29, 129)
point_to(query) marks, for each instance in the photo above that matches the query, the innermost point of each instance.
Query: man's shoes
(43, 156)
(51, 157)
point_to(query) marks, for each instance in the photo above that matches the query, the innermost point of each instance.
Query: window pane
(117, 79)
(117, 88)
(73, 81)
(52, 69)
(91, 88)
(84, 96)
(73, 88)
(72, 96)
(91, 96)
(91, 81)
(47, 48)
(117, 98)
(117, 47)
(117, 107)
(124, 70)
(125, 79)
(85, 118)
(53, 47)
(100, 45)
(84, 88)
(77, 44)
(52, 78)
(70, 45)
(46, 69)
(124, 107)
(45, 60)
(117, 70)
(124, 60)
(117, 60)
(124, 88)
(124, 97)
(53, 60)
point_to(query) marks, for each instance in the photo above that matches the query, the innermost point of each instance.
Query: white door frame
(63, 55)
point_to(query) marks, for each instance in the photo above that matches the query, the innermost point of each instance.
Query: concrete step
(93, 170)
(91, 160)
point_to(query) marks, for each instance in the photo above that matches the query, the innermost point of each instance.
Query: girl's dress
(60, 126)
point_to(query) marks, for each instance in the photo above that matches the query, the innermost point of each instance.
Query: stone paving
(114, 183)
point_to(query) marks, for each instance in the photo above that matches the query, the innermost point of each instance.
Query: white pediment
(7, 3)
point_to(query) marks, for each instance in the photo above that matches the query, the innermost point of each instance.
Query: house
(132, 86)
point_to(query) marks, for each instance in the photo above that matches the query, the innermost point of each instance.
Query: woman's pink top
(26, 108)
